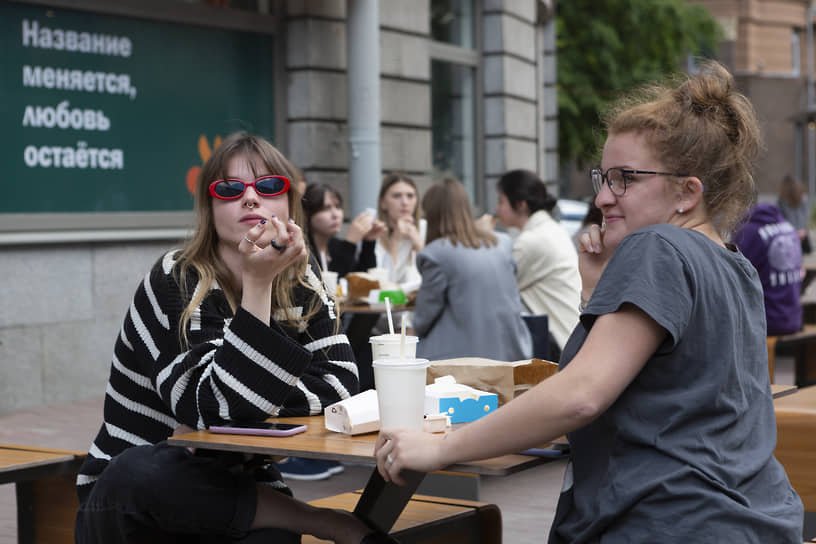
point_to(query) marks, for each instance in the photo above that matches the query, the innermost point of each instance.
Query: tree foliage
(606, 47)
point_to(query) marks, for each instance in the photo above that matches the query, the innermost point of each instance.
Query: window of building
(795, 52)
(455, 94)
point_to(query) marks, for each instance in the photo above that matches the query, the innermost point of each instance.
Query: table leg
(382, 502)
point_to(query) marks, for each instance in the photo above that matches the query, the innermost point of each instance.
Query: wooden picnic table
(381, 502)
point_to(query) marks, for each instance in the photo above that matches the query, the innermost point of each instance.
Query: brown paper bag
(505, 378)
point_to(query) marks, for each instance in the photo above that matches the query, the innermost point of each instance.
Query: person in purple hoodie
(772, 245)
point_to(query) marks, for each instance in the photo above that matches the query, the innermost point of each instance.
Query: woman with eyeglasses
(235, 326)
(663, 386)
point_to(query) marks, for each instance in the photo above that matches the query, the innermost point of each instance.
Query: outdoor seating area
(517, 507)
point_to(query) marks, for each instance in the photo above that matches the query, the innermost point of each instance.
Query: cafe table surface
(381, 502)
(782, 390)
(317, 442)
(359, 307)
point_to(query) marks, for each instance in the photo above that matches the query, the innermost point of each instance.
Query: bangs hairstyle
(200, 253)
(701, 125)
(387, 182)
(448, 213)
(314, 197)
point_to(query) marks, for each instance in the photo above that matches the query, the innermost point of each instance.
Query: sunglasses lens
(229, 188)
(270, 185)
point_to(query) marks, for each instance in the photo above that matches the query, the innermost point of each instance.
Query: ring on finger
(248, 240)
(277, 246)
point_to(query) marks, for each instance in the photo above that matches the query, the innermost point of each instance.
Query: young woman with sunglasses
(663, 387)
(235, 326)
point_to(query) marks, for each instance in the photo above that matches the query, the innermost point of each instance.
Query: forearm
(257, 299)
(547, 411)
(613, 354)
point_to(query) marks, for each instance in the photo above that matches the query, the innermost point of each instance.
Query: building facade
(766, 47)
(466, 88)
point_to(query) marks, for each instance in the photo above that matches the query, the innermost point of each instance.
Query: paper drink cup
(330, 279)
(387, 346)
(400, 385)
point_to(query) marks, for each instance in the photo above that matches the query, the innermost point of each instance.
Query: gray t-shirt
(685, 454)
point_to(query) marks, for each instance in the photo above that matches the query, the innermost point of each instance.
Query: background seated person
(772, 245)
(468, 304)
(323, 207)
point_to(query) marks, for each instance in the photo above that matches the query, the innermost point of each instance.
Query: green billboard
(104, 113)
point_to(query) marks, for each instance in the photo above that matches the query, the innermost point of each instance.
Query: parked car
(571, 213)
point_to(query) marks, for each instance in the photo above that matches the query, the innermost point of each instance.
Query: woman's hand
(408, 230)
(486, 222)
(365, 226)
(592, 258)
(268, 249)
(398, 449)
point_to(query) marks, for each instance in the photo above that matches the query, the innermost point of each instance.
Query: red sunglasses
(230, 189)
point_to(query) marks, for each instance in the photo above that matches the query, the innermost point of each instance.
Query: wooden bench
(45, 483)
(432, 520)
(796, 447)
(802, 345)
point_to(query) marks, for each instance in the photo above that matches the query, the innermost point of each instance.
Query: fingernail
(263, 221)
(597, 249)
(291, 220)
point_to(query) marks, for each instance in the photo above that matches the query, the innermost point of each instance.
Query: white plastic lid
(393, 339)
(396, 361)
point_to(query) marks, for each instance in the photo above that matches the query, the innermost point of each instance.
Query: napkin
(459, 401)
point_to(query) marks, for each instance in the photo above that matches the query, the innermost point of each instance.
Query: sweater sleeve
(341, 256)
(234, 367)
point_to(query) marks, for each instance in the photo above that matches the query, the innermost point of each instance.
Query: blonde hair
(200, 253)
(702, 127)
(447, 210)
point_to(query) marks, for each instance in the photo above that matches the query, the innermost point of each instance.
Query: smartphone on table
(263, 428)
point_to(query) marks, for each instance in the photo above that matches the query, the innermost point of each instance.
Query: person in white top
(547, 261)
(396, 249)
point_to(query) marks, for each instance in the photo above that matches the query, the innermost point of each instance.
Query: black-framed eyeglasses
(619, 178)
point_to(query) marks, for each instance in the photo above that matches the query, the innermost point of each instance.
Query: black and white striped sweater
(235, 367)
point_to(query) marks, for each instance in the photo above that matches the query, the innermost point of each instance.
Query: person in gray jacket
(468, 304)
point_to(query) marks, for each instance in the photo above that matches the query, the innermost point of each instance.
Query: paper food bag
(355, 415)
(504, 378)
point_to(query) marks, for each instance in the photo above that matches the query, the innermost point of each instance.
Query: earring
(679, 210)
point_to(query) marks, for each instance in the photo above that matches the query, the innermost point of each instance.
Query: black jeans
(164, 494)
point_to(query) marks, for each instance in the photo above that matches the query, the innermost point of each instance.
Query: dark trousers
(164, 494)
